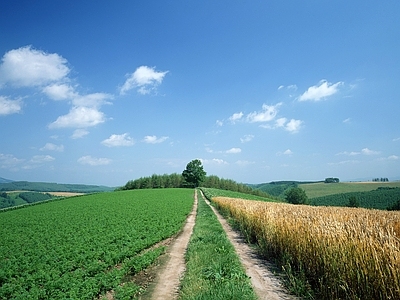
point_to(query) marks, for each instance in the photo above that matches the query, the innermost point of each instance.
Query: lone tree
(296, 195)
(194, 173)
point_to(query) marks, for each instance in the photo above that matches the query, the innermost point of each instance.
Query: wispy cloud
(145, 79)
(233, 151)
(235, 117)
(152, 139)
(52, 147)
(364, 151)
(247, 138)
(321, 91)
(8, 106)
(79, 133)
(118, 140)
(93, 161)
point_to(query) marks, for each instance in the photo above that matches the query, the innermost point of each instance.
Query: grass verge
(213, 270)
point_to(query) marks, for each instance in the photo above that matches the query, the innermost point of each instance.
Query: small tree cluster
(296, 195)
(331, 180)
(380, 180)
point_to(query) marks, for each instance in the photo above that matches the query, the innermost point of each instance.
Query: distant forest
(52, 187)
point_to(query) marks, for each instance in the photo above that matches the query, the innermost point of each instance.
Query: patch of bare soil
(265, 284)
(168, 272)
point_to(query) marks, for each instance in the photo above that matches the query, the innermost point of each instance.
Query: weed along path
(264, 282)
(168, 278)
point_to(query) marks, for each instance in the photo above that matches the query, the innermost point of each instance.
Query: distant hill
(278, 188)
(51, 187)
(3, 180)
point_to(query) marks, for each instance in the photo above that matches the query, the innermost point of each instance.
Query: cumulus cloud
(267, 113)
(322, 90)
(235, 117)
(233, 151)
(52, 147)
(79, 133)
(79, 117)
(28, 67)
(59, 91)
(93, 161)
(118, 140)
(8, 107)
(247, 138)
(292, 126)
(145, 79)
(152, 139)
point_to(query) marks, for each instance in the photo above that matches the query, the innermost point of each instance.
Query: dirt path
(265, 283)
(168, 278)
(167, 281)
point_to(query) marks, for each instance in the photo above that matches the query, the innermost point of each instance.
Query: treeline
(52, 187)
(380, 180)
(6, 200)
(381, 198)
(177, 181)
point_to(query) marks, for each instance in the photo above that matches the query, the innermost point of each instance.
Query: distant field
(314, 190)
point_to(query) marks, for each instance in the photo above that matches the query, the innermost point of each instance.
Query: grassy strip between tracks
(213, 269)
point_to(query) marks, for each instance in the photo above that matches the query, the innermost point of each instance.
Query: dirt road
(265, 283)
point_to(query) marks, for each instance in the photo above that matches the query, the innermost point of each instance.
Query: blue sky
(102, 92)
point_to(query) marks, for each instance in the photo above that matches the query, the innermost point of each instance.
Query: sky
(103, 92)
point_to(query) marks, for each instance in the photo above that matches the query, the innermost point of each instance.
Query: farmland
(342, 253)
(314, 190)
(84, 246)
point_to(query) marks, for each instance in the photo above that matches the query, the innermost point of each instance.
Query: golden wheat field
(345, 253)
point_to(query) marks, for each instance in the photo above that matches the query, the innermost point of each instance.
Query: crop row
(345, 253)
(84, 246)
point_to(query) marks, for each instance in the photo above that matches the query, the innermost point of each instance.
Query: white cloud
(93, 161)
(292, 87)
(393, 157)
(27, 67)
(40, 159)
(235, 117)
(367, 151)
(118, 140)
(59, 91)
(288, 152)
(152, 139)
(348, 120)
(8, 107)
(92, 100)
(233, 151)
(396, 139)
(9, 161)
(52, 147)
(79, 133)
(219, 123)
(267, 113)
(79, 117)
(247, 138)
(318, 92)
(244, 163)
(214, 161)
(146, 79)
(293, 125)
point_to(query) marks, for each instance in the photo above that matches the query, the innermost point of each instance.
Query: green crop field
(82, 247)
(314, 190)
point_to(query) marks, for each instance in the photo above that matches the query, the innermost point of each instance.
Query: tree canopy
(296, 195)
(194, 173)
